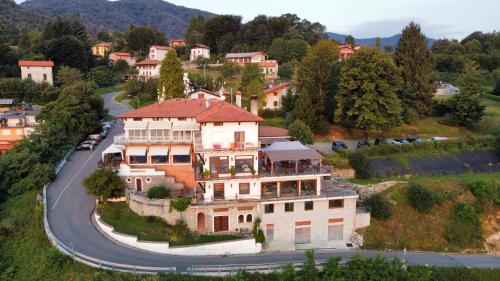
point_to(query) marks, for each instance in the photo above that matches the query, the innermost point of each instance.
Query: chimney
(254, 105)
(238, 99)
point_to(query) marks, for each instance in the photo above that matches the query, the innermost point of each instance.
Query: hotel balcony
(233, 146)
(183, 139)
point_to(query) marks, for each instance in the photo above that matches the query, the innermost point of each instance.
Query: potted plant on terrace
(206, 174)
(232, 171)
(252, 170)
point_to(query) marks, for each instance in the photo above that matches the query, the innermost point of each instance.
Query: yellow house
(100, 49)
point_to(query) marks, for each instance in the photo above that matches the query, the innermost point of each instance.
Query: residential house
(101, 49)
(174, 43)
(148, 69)
(15, 125)
(210, 150)
(207, 94)
(345, 51)
(274, 94)
(270, 69)
(199, 51)
(38, 71)
(159, 52)
(268, 135)
(244, 58)
(116, 56)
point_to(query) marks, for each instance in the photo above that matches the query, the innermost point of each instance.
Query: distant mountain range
(171, 19)
(15, 18)
(392, 41)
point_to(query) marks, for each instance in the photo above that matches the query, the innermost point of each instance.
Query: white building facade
(38, 71)
(199, 51)
(212, 149)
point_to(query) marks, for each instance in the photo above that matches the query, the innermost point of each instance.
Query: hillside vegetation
(170, 19)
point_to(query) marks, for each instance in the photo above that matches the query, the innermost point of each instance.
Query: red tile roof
(200, 46)
(43, 63)
(149, 62)
(162, 47)
(268, 63)
(172, 108)
(276, 88)
(272, 132)
(121, 54)
(224, 112)
(103, 44)
(194, 108)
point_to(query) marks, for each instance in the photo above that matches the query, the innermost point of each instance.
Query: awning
(159, 151)
(136, 125)
(162, 125)
(113, 149)
(181, 150)
(137, 151)
(290, 150)
(185, 126)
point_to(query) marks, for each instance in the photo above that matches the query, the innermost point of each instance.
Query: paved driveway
(70, 209)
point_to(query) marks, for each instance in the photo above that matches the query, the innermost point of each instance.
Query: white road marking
(79, 170)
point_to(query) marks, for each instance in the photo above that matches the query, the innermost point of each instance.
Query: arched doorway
(201, 222)
(138, 184)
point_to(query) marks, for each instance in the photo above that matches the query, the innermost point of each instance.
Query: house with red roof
(100, 49)
(199, 51)
(157, 52)
(147, 69)
(116, 56)
(174, 43)
(274, 95)
(38, 71)
(270, 69)
(210, 151)
(345, 51)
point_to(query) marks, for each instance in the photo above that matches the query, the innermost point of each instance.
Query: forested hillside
(170, 19)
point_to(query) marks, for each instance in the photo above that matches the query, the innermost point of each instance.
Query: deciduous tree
(105, 184)
(367, 98)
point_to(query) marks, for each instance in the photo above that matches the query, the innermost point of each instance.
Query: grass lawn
(426, 232)
(125, 221)
(274, 122)
(111, 89)
(418, 178)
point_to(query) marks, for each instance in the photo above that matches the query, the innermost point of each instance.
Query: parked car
(107, 125)
(104, 133)
(87, 145)
(401, 140)
(380, 141)
(362, 144)
(439, 138)
(339, 146)
(96, 137)
(414, 140)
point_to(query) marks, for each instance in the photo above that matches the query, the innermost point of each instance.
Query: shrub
(271, 113)
(464, 229)
(379, 206)
(496, 91)
(411, 116)
(441, 195)
(257, 232)
(158, 192)
(298, 130)
(485, 191)
(420, 198)
(180, 204)
(322, 127)
(361, 165)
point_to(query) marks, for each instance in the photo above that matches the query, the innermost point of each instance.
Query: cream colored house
(100, 49)
(199, 51)
(210, 150)
(38, 71)
(159, 52)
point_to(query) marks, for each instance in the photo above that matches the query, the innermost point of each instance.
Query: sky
(371, 18)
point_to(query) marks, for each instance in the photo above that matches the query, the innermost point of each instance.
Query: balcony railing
(233, 146)
(302, 170)
(122, 139)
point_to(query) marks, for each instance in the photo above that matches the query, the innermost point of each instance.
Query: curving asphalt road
(70, 209)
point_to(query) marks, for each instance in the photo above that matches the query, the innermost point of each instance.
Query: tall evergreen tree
(367, 98)
(170, 84)
(316, 76)
(304, 110)
(414, 57)
(349, 40)
(251, 74)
